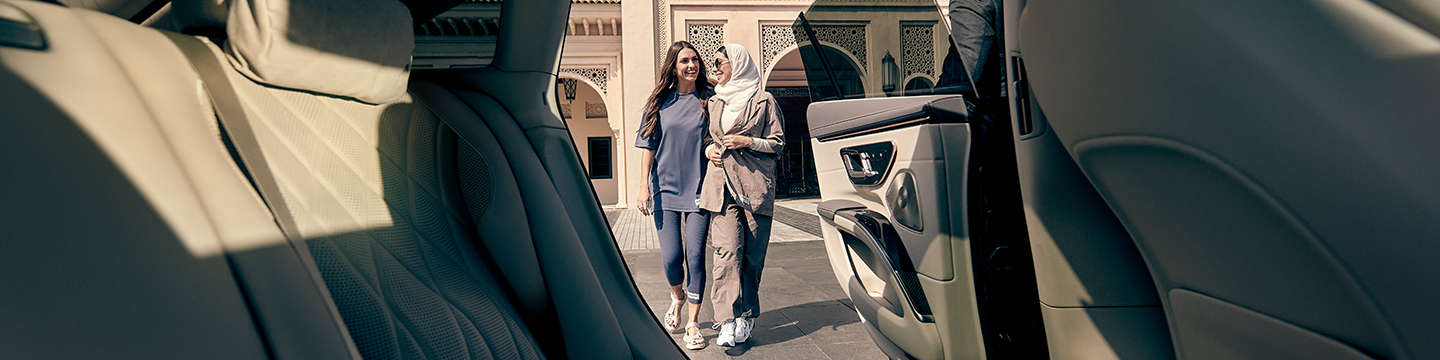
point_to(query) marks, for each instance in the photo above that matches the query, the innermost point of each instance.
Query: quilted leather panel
(376, 191)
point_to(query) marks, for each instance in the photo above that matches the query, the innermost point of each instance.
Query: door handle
(867, 165)
(857, 164)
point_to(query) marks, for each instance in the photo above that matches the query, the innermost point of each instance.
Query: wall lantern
(569, 89)
(890, 74)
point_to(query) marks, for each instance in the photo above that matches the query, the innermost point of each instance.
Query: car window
(910, 53)
(462, 37)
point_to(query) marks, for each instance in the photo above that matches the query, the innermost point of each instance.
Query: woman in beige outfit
(743, 140)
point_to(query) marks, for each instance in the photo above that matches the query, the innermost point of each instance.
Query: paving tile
(813, 271)
(826, 324)
(859, 350)
(805, 314)
(821, 276)
(781, 334)
(807, 222)
(766, 352)
(711, 352)
(809, 249)
(799, 204)
(782, 232)
(780, 288)
(784, 252)
(613, 215)
(786, 263)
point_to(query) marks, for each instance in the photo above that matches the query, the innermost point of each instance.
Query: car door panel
(868, 174)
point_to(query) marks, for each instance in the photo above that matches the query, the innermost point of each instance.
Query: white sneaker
(743, 325)
(727, 334)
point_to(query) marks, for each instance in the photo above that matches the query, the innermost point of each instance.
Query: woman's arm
(772, 138)
(642, 200)
(712, 148)
(647, 147)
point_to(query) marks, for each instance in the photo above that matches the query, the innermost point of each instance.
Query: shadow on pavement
(792, 322)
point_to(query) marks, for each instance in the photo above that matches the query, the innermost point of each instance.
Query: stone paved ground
(795, 220)
(804, 312)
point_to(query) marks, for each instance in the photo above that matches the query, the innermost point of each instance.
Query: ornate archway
(588, 119)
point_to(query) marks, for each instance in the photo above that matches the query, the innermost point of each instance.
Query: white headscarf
(744, 79)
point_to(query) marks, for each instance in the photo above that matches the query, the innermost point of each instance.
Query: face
(723, 69)
(687, 65)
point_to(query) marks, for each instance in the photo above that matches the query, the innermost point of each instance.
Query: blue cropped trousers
(691, 246)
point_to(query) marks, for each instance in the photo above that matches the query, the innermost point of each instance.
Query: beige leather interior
(941, 252)
(140, 233)
(155, 196)
(1096, 295)
(361, 50)
(1272, 162)
(123, 9)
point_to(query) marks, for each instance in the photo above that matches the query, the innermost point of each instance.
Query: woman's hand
(643, 201)
(714, 154)
(735, 141)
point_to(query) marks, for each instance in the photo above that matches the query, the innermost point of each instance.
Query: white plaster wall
(583, 128)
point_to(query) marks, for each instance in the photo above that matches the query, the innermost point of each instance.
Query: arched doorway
(583, 109)
(849, 78)
(919, 84)
(786, 82)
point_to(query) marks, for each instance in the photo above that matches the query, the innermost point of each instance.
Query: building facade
(613, 50)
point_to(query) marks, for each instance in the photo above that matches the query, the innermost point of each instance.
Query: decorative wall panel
(773, 40)
(599, 76)
(918, 42)
(707, 38)
(848, 37)
(595, 110)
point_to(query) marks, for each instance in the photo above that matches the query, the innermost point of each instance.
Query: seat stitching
(408, 219)
(271, 128)
(443, 292)
(393, 309)
(377, 288)
(451, 215)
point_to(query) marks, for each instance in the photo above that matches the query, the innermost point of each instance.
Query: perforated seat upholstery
(377, 193)
(375, 190)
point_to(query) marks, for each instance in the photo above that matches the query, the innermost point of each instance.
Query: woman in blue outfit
(670, 133)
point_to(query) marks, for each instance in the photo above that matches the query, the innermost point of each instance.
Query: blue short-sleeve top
(679, 158)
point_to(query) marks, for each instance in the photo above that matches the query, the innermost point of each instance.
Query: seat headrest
(358, 48)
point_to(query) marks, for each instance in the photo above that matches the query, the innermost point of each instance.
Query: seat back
(377, 194)
(122, 208)
(1272, 161)
(374, 180)
(160, 246)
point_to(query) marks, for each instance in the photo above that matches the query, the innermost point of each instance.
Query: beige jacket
(751, 173)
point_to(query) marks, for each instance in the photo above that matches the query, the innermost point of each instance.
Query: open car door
(919, 210)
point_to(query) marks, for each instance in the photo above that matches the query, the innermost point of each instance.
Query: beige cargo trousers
(741, 239)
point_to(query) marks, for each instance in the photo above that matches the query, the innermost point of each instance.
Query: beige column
(617, 111)
(638, 73)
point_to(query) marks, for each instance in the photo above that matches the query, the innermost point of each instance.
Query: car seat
(141, 230)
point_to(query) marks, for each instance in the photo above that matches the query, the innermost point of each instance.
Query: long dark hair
(650, 123)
